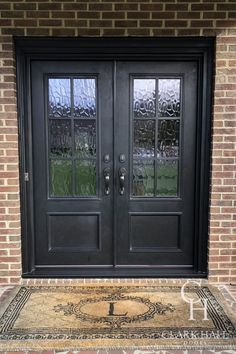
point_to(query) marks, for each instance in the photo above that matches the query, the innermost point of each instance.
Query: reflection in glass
(144, 138)
(167, 178)
(144, 101)
(143, 178)
(59, 97)
(60, 137)
(168, 138)
(169, 97)
(84, 98)
(85, 138)
(61, 178)
(85, 183)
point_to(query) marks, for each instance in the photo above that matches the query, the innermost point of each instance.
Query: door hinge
(26, 177)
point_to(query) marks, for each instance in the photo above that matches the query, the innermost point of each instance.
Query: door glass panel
(144, 98)
(167, 178)
(85, 137)
(144, 138)
(61, 177)
(169, 97)
(143, 178)
(84, 98)
(168, 138)
(59, 97)
(72, 140)
(85, 178)
(60, 137)
(156, 141)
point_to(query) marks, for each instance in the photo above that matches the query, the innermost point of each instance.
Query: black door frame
(196, 49)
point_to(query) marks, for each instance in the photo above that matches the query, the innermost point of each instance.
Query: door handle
(122, 174)
(107, 175)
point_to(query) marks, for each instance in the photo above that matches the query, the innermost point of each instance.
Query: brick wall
(125, 18)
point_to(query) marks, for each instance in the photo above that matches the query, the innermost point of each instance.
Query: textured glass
(85, 137)
(167, 178)
(168, 138)
(144, 138)
(85, 184)
(143, 178)
(84, 98)
(144, 98)
(169, 97)
(59, 97)
(61, 178)
(60, 137)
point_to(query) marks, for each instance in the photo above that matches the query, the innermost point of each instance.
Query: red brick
(202, 7)
(114, 32)
(126, 23)
(37, 14)
(137, 15)
(177, 7)
(75, 6)
(138, 32)
(76, 23)
(126, 7)
(63, 32)
(176, 23)
(214, 15)
(146, 23)
(11, 14)
(37, 31)
(100, 23)
(226, 7)
(87, 14)
(100, 7)
(113, 15)
(151, 7)
(88, 32)
(225, 23)
(163, 15)
(23, 6)
(188, 32)
(201, 23)
(5, 6)
(63, 14)
(25, 23)
(188, 15)
(163, 32)
(5, 22)
(46, 6)
(50, 23)
(232, 15)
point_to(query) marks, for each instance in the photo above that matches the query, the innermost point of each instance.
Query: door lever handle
(122, 174)
(107, 175)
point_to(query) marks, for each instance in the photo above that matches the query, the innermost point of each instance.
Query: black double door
(114, 156)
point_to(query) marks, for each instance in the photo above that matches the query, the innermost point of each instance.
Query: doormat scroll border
(70, 344)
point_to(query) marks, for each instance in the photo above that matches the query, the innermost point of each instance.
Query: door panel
(71, 105)
(157, 117)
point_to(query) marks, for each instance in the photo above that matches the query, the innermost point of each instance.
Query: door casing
(195, 49)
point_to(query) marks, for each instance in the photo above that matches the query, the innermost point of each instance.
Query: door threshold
(181, 272)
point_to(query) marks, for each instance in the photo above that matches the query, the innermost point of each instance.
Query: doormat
(115, 317)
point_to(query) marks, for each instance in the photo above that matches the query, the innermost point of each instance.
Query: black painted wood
(191, 57)
(157, 213)
(71, 230)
